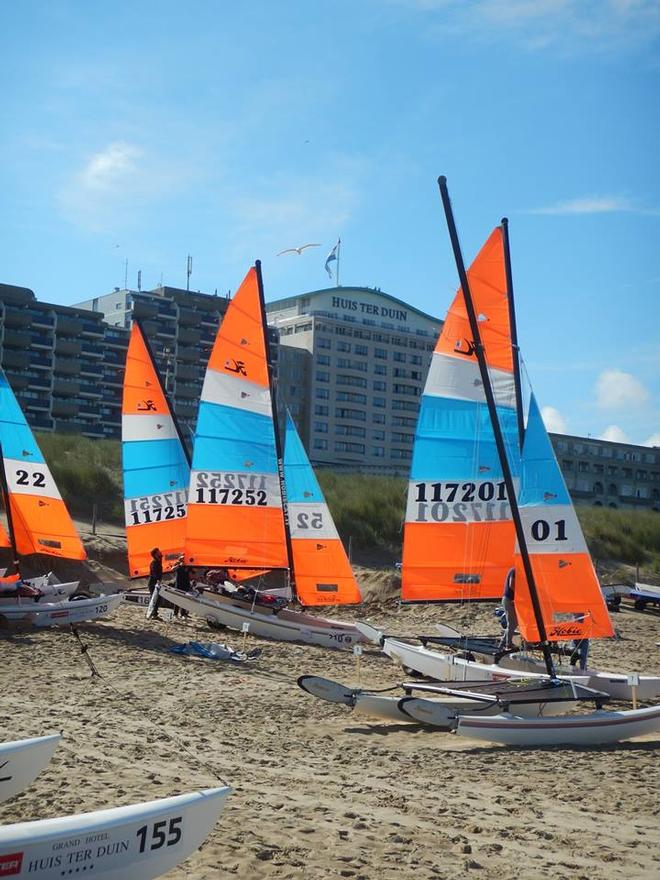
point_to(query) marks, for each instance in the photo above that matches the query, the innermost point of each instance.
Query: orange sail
(235, 512)
(41, 522)
(458, 533)
(571, 600)
(323, 574)
(155, 465)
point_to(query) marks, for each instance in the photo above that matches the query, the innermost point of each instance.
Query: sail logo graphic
(234, 366)
(465, 347)
(146, 406)
(11, 864)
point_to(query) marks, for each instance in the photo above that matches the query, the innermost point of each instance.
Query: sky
(141, 132)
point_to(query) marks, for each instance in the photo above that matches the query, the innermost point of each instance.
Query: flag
(332, 256)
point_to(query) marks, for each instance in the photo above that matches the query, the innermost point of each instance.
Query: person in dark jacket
(182, 582)
(155, 577)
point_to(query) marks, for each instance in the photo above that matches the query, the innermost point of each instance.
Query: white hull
(49, 586)
(137, 597)
(380, 706)
(594, 729)
(285, 626)
(443, 713)
(59, 613)
(21, 761)
(137, 842)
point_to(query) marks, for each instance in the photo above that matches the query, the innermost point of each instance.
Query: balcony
(91, 369)
(87, 389)
(17, 339)
(68, 326)
(186, 390)
(41, 361)
(18, 381)
(188, 317)
(92, 349)
(186, 373)
(188, 336)
(143, 309)
(68, 346)
(67, 366)
(42, 319)
(19, 360)
(185, 353)
(64, 407)
(93, 328)
(29, 400)
(65, 388)
(40, 423)
(14, 317)
(89, 412)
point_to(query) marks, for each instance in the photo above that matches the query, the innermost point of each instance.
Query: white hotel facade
(352, 366)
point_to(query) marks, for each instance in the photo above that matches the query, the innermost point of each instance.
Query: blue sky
(147, 131)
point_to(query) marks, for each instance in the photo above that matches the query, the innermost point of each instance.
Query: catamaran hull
(285, 626)
(443, 713)
(139, 841)
(21, 761)
(613, 683)
(594, 729)
(59, 613)
(50, 587)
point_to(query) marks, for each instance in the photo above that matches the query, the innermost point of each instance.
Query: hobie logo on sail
(146, 406)
(234, 366)
(465, 346)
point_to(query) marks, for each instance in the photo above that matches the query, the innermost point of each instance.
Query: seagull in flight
(297, 250)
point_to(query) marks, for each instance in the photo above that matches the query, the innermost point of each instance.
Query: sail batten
(155, 465)
(235, 510)
(41, 521)
(323, 572)
(458, 533)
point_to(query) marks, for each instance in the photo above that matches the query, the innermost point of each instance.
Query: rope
(146, 711)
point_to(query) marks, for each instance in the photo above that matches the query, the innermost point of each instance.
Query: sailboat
(142, 840)
(38, 522)
(156, 465)
(239, 514)
(455, 423)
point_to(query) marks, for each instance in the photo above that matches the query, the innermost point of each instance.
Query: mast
(276, 429)
(177, 426)
(515, 350)
(497, 430)
(10, 519)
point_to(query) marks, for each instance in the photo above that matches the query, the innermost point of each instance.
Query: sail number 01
(160, 834)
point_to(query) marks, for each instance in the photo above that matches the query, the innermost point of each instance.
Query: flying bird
(297, 250)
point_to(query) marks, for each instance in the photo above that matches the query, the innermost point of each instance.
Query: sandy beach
(318, 792)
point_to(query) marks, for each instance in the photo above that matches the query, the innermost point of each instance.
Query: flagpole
(338, 253)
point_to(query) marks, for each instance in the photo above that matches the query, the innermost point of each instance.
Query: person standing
(182, 582)
(510, 610)
(155, 577)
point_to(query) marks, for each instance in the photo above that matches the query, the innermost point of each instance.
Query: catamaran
(251, 510)
(38, 522)
(22, 760)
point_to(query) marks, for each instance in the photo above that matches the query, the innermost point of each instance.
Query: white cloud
(553, 420)
(616, 390)
(546, 24)
(616, 434)
(654, 440)
(112, 167)
(588, 205)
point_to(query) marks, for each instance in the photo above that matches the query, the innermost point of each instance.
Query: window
(400, 356)
(403, 421)
(322, 393)
(322, 376)
(324, 342)
(408, 405)
(321, 427)
(343, 346)
(400, 454)
(379, 385)
(302, 328)
(380, 369)
(378, 451)
(323, 360)
(361, 349)
(350, 397)
(341, 446)
(398, 437)
(320, 443)
(378, 418)
(350, 431)
(320, 410)
(378, 435)
(416, 359)
(357, 414)
(378, 401)
(355, 381)
(380, 353)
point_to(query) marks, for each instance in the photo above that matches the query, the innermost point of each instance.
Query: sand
(319, 793)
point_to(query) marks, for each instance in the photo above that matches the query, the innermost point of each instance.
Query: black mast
(177, 426)
(515, 351)
(276, 428)
(10, 520)
(497, 430)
